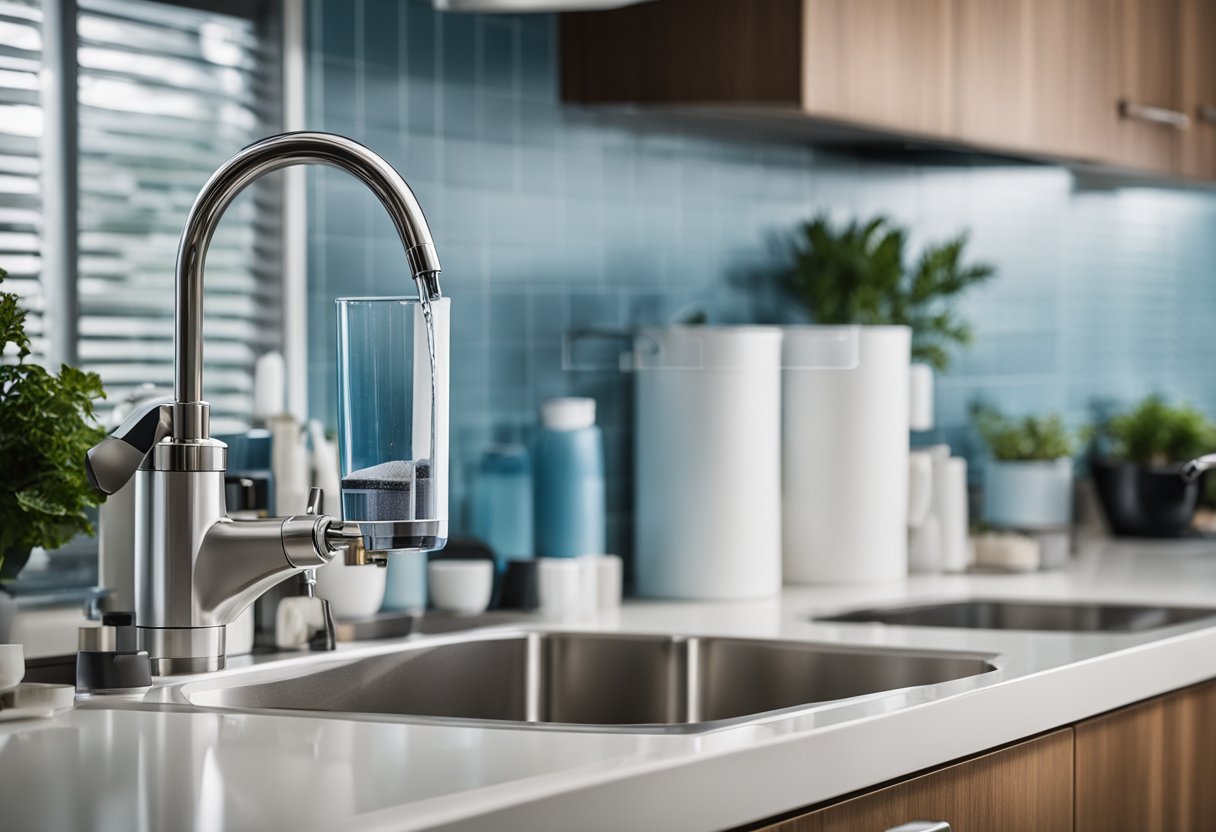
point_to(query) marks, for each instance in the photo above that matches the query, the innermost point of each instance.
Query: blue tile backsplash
(549, 218)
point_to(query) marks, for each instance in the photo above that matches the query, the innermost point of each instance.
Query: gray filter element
(424, 490)
(387, 490)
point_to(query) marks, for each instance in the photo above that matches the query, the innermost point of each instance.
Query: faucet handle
(112, 462)
(316, 498)
(1194, 469)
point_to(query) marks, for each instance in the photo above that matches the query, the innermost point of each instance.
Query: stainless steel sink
(1026, 615)
(588, 679)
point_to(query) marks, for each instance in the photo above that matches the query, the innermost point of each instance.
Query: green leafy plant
(1031, 438)
(1155, 432)
(858, 274)
(46, 425)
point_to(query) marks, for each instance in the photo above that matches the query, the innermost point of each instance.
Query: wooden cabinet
(1011, 57)
(1024, 787)
(1153, 117)
(889, 65)
(1151, 766)
(1108, 81)
(1199, 87)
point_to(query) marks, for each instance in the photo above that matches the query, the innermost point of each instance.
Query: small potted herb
(1028, 481)
(46, 426)
(1136, 461)
(875, 308)
(859, 274)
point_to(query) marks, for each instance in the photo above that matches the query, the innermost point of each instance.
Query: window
(164, 92)
(20, 136)
(165, 95)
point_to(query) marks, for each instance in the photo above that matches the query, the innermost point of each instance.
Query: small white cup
(562, 582)
(12, 666)
(462, 587)
(602, 577)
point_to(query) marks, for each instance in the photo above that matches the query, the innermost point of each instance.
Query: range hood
(516, 6)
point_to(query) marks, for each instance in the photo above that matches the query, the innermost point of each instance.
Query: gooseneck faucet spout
(270, 154)
(197, 569)
(1194, 469)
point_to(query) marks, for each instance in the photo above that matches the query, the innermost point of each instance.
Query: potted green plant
(874, 309)
(46, 426)
(1136, 460)
(1028, 481)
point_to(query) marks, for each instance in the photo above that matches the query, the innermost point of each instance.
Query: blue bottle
(569, 480)
(502, 503)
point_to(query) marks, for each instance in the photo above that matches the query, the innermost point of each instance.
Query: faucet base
(177, 650)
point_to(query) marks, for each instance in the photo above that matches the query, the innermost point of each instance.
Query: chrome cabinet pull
(922, 826)
(1154, 115)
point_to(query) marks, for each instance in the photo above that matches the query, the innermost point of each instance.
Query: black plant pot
(1145, 502)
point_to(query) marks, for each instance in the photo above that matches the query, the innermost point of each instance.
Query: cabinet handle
(922, 826)
(1154, 115)
(1207, 115)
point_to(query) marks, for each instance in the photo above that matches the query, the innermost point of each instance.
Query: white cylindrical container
(845, 458)
(708, 462)
(950, 497)
(920, 397)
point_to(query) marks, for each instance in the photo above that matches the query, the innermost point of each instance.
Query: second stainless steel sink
(590, 679)
(1029, 615)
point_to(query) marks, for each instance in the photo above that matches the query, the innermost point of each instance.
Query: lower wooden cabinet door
(1026, 787)
(1150, 767)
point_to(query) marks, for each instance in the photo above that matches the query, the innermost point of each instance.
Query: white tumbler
(845, 458)
(708, 462)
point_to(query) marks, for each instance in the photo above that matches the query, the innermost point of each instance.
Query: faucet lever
(112, 462)
(316, 498)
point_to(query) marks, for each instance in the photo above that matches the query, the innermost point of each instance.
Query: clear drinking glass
(393, 420)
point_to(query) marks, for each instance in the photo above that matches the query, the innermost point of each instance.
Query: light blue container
(502, 503)
(405, 584)
(1028, 495)
(569, 480)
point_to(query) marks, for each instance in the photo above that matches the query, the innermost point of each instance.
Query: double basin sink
(646, 683)
(611, 681)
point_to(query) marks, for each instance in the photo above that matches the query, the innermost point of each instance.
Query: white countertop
(157, 767)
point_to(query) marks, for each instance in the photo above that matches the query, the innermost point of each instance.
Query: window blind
(167, 93)
(20, 134)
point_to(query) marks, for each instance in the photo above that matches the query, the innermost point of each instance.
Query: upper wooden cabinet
(1153, 117)
(1199, 87)
(905, 78)
(1108, 81)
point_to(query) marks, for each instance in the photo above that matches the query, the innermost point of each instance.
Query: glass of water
(393, 420)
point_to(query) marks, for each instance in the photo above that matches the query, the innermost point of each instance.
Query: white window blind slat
(166, 94)
(20, 168)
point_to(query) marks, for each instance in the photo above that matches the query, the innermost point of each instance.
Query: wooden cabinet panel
(684, 52)
(1199, 87)
(1151, 766)
(1024, 787)
(1190, 761)
(1150, 74)
(881, 63)
(1012, 70)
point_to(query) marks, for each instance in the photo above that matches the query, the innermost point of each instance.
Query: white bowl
(463, 587)
(352, 591)
(12, 666)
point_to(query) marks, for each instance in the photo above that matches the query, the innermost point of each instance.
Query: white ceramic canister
(845, 457)
(708, 462)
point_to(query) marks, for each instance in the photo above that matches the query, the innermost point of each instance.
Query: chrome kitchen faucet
(197, 568)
